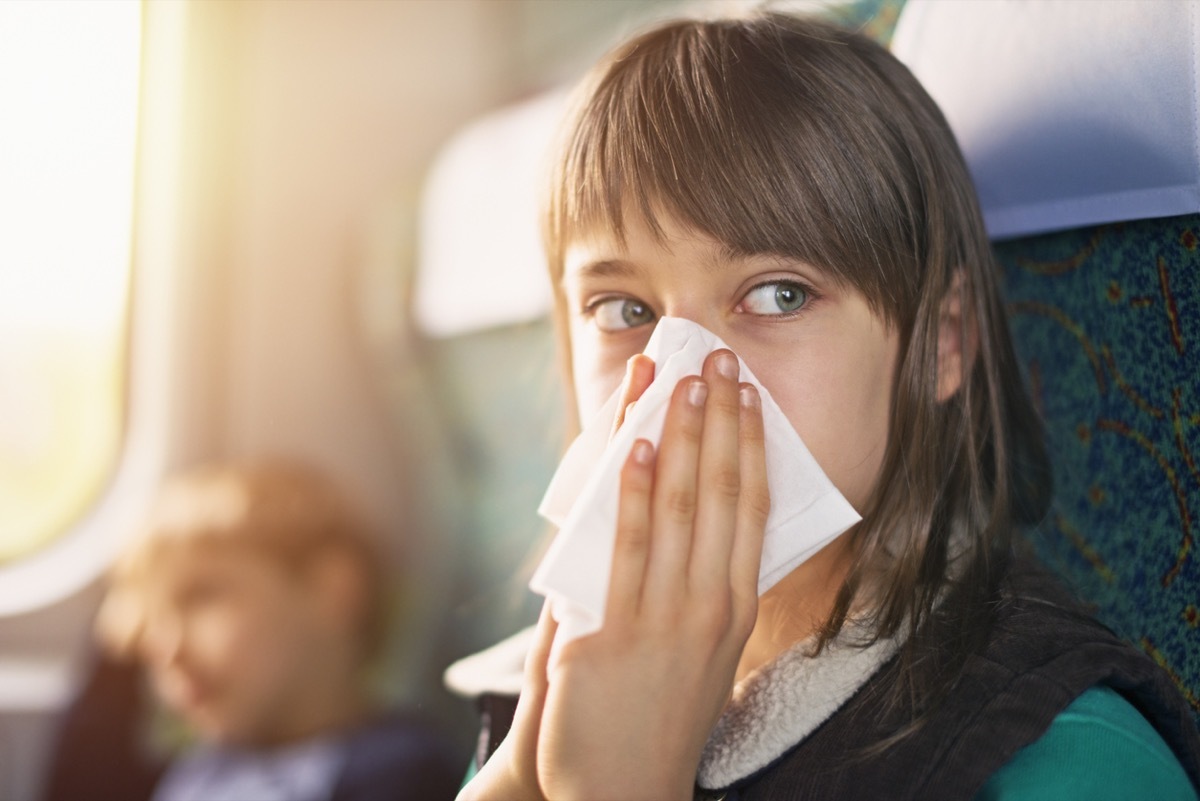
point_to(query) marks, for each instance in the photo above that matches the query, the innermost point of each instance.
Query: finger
(536, 671)
(639, 373)
(673, 505)
(633, 533)
(754, 501)
(719, 476)
(516, 758)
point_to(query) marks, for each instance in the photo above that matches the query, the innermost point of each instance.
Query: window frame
(80, 555)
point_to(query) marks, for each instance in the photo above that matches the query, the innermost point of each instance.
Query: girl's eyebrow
(750, 259)
(727, 255)
(793, 264)
(607, 268)
(620, 268)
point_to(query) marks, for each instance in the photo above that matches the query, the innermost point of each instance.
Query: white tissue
(807, 511)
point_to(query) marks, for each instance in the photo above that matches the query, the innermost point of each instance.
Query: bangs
(745, 132)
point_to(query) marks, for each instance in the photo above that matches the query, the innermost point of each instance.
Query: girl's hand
(626, 711)
(639, 373)
(511, 772)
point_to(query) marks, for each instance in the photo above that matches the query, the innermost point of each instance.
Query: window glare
(69, 75)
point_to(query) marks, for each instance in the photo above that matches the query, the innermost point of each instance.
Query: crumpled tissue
(807, 511)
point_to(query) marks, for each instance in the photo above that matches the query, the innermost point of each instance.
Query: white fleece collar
(783, 702)
(771, 710)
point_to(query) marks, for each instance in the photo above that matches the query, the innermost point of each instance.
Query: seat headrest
(1069, 112)
(480, 262)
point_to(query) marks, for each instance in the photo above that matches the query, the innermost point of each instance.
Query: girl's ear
(958, 341)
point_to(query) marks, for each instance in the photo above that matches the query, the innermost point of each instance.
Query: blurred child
(255, 603)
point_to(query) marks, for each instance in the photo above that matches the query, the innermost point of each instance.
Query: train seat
(1079, 122)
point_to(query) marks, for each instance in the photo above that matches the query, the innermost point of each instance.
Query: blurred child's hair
(780, 135)
(290, 515)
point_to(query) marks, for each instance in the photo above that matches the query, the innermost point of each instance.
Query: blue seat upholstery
(1107, 325)
(1080, 124)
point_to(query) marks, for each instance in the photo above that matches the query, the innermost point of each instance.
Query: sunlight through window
(69, 74)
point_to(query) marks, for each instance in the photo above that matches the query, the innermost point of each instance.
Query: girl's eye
(617, 314)
(775, 298)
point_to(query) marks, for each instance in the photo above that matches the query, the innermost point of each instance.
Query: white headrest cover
(480, 262)
(1070, 112)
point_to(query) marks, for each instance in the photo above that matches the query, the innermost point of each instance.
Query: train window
(69, 80)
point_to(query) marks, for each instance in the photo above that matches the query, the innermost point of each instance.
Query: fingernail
(642, 451)
(697, 392)
(727, 365)
(749, 397)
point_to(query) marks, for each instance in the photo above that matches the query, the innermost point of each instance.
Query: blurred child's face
(825, 357)
(232, 644)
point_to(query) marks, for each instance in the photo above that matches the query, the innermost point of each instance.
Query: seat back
(1079, 123)
(1106, 321)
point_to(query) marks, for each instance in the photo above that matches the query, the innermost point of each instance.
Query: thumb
(528, 716)
(639, 373)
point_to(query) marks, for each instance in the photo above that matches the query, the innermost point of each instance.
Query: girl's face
(815, 344)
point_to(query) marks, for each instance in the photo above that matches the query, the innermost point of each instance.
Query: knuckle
(680, 503)
(726, 482)
(633, 537)
(714, 618)
(690, 429)
(758, 503)
(665, 621)
(753, 446)
(752, 434)
(727, 405)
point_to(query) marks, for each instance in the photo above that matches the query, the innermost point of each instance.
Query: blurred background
(233, 229)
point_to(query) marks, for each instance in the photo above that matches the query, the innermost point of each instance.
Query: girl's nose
(697, 312)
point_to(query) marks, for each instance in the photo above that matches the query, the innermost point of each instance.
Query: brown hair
(290, 514)
(780, 135)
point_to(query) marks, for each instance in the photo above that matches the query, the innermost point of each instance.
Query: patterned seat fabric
(1107, 325)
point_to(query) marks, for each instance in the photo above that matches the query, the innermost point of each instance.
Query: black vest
(1041, 655)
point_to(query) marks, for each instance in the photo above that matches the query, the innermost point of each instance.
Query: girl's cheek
(598, 373)
(594, 388)
(837, 415)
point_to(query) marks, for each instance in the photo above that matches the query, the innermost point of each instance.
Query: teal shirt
(1098, 748)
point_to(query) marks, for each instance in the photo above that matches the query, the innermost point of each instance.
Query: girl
(789, 186)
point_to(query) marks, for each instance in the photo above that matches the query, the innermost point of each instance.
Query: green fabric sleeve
(1098, 748)
(471, 771)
